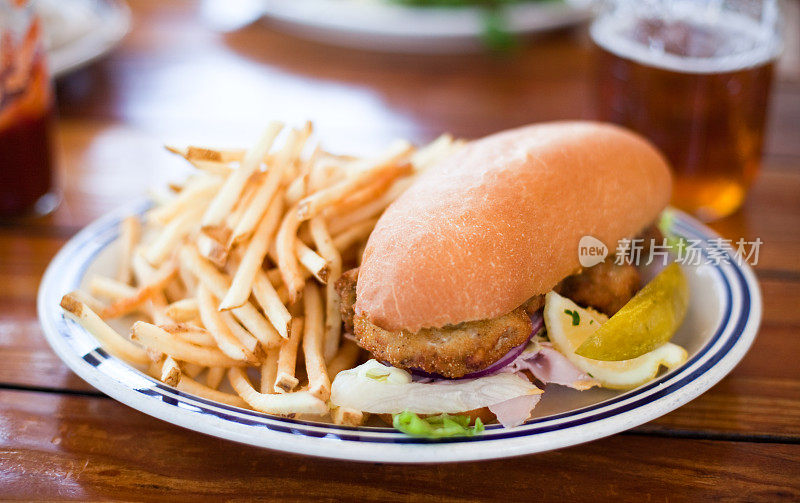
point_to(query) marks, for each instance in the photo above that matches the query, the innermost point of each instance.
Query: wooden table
(174, 79)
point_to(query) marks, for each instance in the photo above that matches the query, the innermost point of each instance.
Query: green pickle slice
(646, 322)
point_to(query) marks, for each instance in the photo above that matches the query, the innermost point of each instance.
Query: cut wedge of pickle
(646, 322)
(569, 326)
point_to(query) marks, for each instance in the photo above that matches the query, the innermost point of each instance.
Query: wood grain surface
(176, 79)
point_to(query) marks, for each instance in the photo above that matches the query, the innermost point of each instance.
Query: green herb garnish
(443, 425)
(576, 317)
(496, 34)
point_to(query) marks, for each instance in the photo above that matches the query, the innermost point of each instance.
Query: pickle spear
(646, 322)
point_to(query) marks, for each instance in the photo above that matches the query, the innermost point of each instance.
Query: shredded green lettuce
(443, 425)
(675, 242)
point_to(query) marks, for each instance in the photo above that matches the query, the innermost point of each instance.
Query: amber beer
(699, 90)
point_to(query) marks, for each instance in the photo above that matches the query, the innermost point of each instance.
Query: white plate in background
(77, 32)
(381, 25)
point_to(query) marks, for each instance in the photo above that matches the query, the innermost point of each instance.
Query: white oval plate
(380, 25)
(79, 31)
(723, 318)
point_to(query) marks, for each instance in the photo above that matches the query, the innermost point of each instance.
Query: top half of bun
(500, 220)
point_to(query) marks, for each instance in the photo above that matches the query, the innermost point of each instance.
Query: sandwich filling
(455, 351)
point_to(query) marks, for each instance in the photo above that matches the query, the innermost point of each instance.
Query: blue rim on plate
(741, 308)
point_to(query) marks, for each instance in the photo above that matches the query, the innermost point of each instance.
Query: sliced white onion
(380, 389)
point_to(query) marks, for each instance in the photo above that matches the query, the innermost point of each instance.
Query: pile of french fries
(232, 275)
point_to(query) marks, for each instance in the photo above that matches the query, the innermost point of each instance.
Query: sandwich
(449, 293)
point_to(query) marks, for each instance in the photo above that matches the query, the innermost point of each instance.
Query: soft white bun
(500, 221)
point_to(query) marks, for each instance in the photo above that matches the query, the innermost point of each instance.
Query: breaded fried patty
(451, 351)
(606, 287)
(346, 288)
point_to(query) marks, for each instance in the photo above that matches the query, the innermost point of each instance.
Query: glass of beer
(26, 115)
(694, 77)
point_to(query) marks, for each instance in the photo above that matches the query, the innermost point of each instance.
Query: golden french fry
(154, 369)
(434, 152)
(192, 153)
(218, 155)
(253, 257)
(174, 289)
(296, 190)
(227, 196)
(172, 234)
(285, 380)
(130, 234)
(181, 151)
(313, 264)
(219, 283)
(265, 193)
(241, 208)
(272, 304)
(142, 270)
(215, 243)
(157, 304)
(194, 195)
(191, 369)
(333, 318)
(343, 222)
(187, 277)
(155, 284)
(247, 340)
(213, 168)
(156, 357)
(109, 339)
(325, 172)
(227, 342)
(109, 288)
(170, 371)
(349, 417)
(190, 333)
(189, 385)
(269, 370)
(300, 139)
(285, 245)
(371, 192)
(313, 205)
(285, 404)
(183, 310)
(262, 197)
(319, 384)
(158, 339)
(215, 376)
(212, 249)
(93, 303)
(355, 234)
(312, 261)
